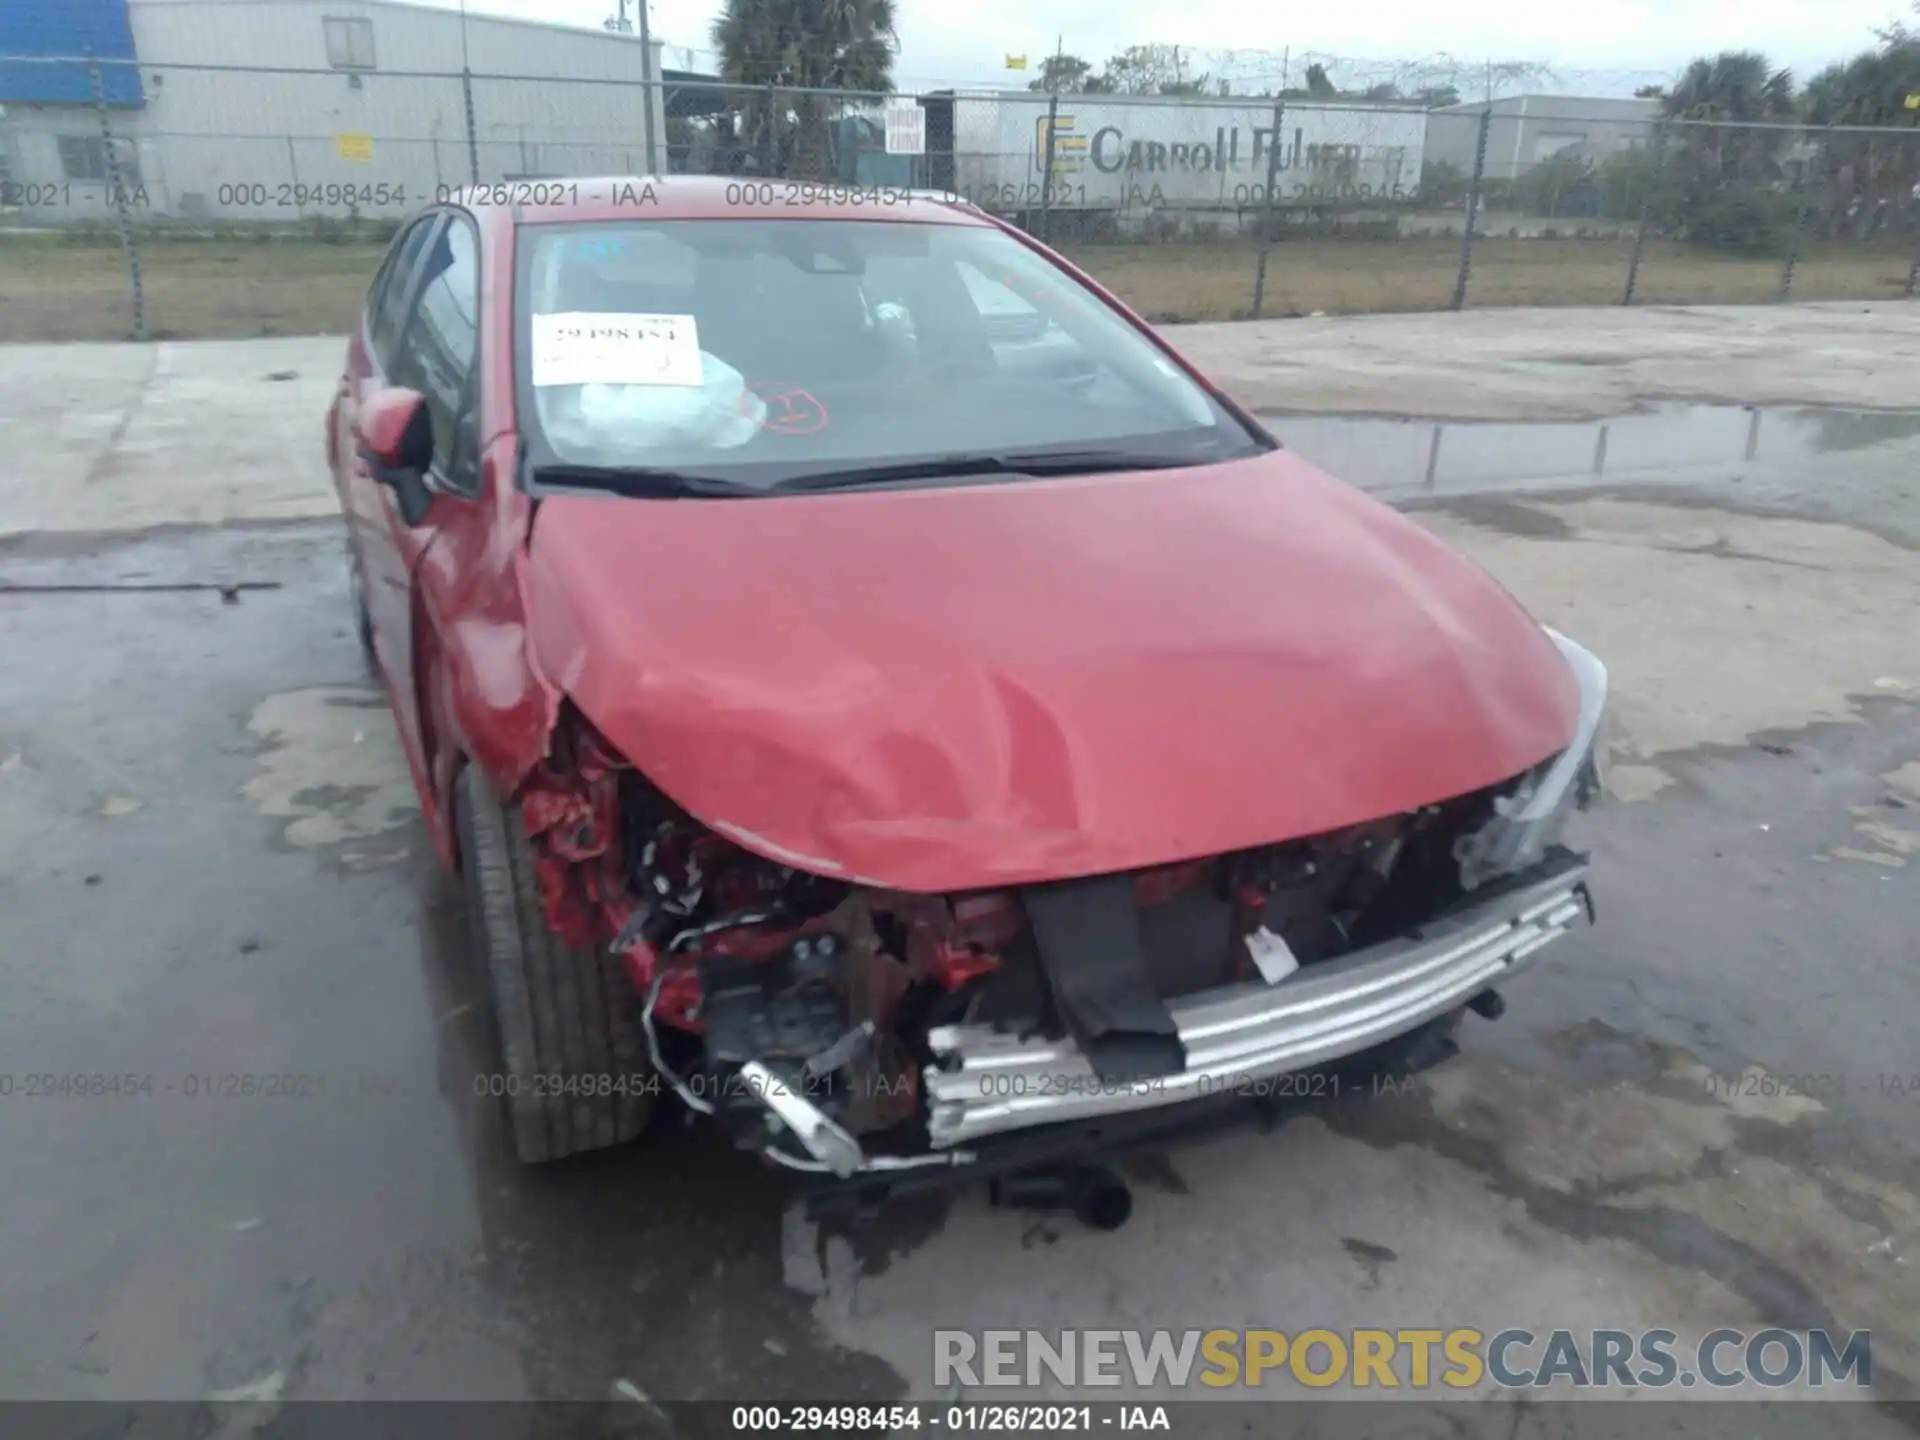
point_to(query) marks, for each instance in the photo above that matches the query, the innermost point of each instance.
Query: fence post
(293, 174)
(1646, 209)
(1473, 208)
(1801, 188)
(769, 139)
(473, 131)
(1046, 176)
(1913, 217)
(1267, 217)
(647, 81)
(122, 209)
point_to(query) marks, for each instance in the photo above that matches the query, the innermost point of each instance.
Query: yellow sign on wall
(1913, 101)
(354, 147)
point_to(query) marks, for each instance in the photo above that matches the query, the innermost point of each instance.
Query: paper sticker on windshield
(591, 348)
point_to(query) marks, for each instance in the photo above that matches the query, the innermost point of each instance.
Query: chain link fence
(247, 201)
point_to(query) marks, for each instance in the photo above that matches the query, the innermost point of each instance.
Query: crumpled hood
(944, 689)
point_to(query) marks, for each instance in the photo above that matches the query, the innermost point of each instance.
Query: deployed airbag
(720, 413)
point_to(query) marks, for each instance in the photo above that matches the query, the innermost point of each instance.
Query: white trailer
(1125, 155)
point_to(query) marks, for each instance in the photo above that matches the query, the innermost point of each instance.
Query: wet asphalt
(241, 1038)
(362, 1230)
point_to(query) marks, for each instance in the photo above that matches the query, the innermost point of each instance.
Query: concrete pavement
(1700, 1113)
(120, 437)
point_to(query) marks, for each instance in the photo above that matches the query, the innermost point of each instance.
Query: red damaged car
(875, 689)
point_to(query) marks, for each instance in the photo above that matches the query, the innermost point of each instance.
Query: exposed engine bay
(773, 998)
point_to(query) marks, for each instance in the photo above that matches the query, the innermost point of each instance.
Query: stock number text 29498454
(289, 195)
(807, 192)
(958, 1420)
(1296, 191)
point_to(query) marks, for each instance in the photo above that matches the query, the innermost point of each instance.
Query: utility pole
(466, 101)
(647, 81)
(620, 26)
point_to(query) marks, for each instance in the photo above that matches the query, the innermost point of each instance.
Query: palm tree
(1737, 85)
(1735, 88)
(1899, 33)
(802, 46)
(1867, 181)
(1067, 74)
(1726, 170)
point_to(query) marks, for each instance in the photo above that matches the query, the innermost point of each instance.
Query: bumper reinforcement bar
(986, 1082)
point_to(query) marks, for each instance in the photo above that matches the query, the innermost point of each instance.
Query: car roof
(567, 199)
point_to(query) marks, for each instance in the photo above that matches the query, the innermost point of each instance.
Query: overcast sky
(966, 41)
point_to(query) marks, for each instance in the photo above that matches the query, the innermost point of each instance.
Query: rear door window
(386, 302)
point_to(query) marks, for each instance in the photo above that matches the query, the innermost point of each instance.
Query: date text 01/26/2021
(954, 1419)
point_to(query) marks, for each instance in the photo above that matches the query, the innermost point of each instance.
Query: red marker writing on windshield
(789, 409)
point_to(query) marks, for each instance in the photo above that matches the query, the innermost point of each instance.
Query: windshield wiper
(1026, 463)
(646, 483)
(643, 483)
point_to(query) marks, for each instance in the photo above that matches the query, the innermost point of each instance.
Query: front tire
(563, 1016)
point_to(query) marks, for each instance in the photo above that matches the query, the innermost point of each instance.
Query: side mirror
(396, 438)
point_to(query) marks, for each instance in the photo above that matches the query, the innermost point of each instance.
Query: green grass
(75, 288)
(1357, 277)
(53, 289)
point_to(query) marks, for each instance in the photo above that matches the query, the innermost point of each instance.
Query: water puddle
(1456, 456)
(331, 770)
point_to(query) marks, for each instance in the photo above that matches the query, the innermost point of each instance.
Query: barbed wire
(1474, 79)
(1418, 86)
(1248, 71)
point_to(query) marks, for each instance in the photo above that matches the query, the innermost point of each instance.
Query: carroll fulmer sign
(1204, 153)
(1109, 149)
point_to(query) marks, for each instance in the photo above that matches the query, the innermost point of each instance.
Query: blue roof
(66, 27)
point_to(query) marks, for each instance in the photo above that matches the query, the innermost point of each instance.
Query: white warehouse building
(279, 109)
(1526, 130)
